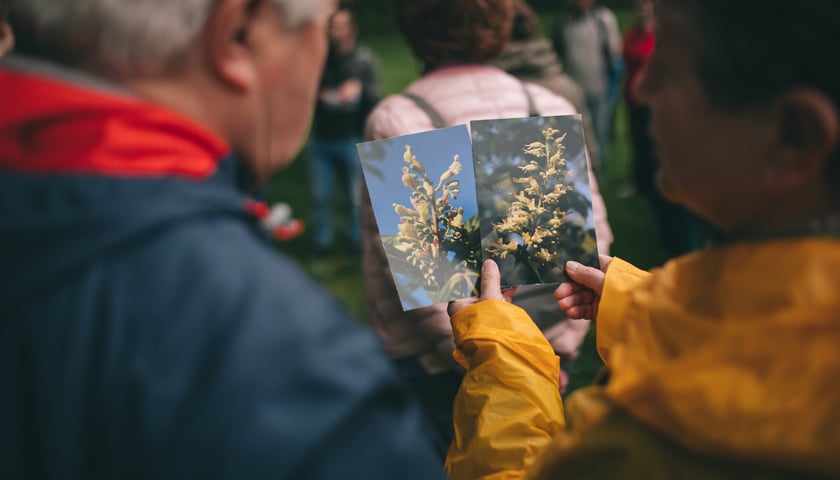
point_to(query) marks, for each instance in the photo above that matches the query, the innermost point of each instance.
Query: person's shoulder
(365, 58)
(605, 14)
(365, 53)
(550, 103)
(396, 115)
(224, 263)
(220, 284)
(275, 358)
(469, 92)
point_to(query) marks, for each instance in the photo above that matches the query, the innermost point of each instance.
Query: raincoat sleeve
(621, 279)
(509, 405)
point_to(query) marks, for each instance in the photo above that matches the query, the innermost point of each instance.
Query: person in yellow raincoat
(723, 363)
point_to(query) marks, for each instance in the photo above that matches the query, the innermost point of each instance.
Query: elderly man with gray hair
(148, 328)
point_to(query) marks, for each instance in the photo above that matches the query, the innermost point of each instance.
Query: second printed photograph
(533, 196)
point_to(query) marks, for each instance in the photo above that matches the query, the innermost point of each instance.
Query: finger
(491, 281)
(456, 306)
(564, 381)
(605, 262)
(584, 297)
(567, 288)
(590, 277)
(508, 294)
(580, 312)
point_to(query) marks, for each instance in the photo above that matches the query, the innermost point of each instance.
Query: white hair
(125, 38)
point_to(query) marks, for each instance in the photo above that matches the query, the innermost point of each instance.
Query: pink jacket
(458, 94)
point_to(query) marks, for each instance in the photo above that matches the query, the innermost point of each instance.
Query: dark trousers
(437, 395)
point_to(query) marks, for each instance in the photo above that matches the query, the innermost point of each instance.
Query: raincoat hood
(74, 157)
(732, 352)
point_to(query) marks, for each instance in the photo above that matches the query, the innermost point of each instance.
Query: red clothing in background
(639, 42)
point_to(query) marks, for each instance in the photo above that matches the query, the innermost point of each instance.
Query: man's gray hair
(125, 38)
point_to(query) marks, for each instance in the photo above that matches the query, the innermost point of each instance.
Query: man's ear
(7, 38)
(807, 132)
(226, 43)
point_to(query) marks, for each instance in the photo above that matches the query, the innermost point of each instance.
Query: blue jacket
(148, 329)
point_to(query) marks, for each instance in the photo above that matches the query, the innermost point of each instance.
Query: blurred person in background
(531, 58)
(458, 85)
(149, 329)
(349, 89)
(589, 45)
(681, 231)
(638, 44)
(723, 363)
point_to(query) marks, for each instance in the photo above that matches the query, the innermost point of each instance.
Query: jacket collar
(59, 121)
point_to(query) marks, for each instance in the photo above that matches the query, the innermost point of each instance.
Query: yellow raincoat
(724, 364)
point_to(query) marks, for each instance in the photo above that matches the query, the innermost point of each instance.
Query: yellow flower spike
(403, 210)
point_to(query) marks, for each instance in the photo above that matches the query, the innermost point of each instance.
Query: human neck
(807, 212)
(188, 96)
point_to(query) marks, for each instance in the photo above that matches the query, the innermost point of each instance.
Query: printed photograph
(423, 195)
(533, 195)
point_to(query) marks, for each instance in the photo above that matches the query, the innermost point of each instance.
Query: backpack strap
(532, 107)
(434, 116)
(437, 120)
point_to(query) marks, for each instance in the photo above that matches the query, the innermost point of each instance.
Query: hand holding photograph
(515, 191)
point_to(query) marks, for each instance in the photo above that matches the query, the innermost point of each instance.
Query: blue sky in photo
(435, 150)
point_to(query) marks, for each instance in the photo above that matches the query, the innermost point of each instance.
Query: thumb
(491, 281)
(589, 277)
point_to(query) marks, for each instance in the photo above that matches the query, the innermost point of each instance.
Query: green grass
(634, 227)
